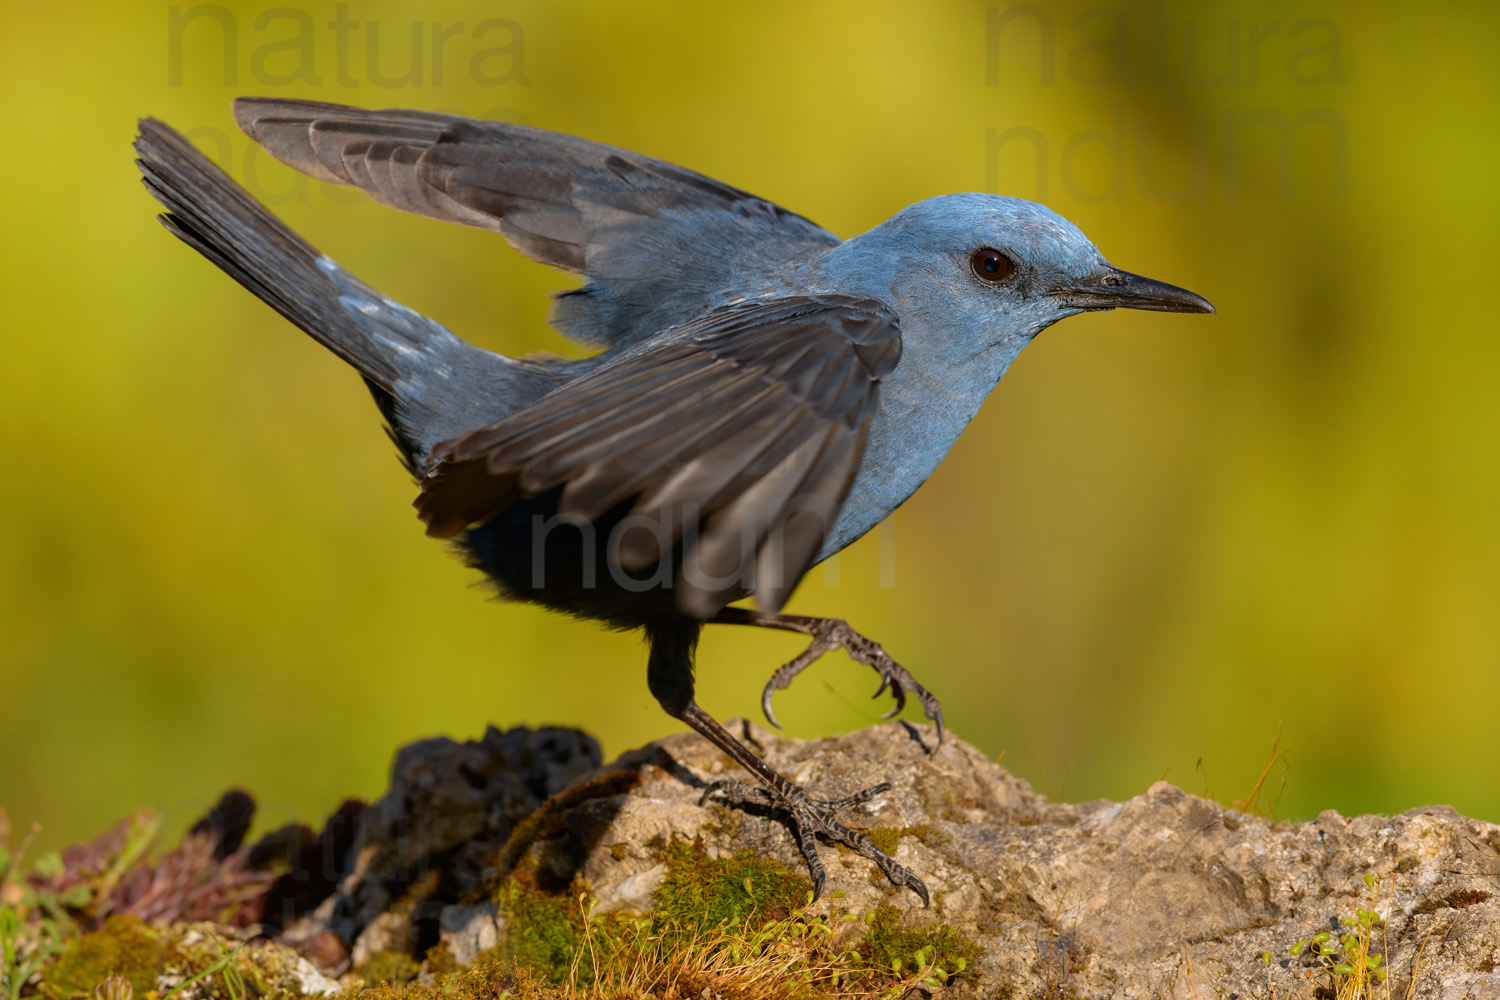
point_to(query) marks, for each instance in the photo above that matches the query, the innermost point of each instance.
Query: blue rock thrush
(764, 393)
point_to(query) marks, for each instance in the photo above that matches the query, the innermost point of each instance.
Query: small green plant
(21, 956)
(40, 909)
(25, 945)
(234, 981)
(931, 956)
(1351, 960)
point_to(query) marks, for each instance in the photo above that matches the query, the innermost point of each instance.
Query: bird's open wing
(740, 435)
(616, 216)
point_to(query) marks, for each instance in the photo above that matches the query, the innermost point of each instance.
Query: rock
(389, 931)
(323, 947)
(192, 954)
(446, 795)
(450, 807)
(636, 894)
(312, 982)
(498, 845)
(468, 930)
(1165, 892)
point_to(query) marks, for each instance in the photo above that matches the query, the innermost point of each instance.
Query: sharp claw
(817, 882)
(937, 717)
(885, 682)
(920, 888)
(900, 696)
(765, 704)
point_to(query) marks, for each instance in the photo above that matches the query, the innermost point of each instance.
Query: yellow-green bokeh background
(1162, 536)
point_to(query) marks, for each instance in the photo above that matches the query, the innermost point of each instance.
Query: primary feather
(650, 236)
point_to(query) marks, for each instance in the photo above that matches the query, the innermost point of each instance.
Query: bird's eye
(991, 265)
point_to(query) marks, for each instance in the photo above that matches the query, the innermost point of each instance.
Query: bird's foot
(834, 633)
(811, 817)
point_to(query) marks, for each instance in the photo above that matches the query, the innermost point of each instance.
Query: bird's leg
(669, 674)
(810, 816)
(829, 634)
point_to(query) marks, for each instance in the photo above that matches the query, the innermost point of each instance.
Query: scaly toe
(857, 798)
(743, 790)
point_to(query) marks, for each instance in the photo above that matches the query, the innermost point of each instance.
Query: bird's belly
(534, 555)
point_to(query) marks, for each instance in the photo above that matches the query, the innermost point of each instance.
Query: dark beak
(1116, 289)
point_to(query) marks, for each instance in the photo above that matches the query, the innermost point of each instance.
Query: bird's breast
(924, 405)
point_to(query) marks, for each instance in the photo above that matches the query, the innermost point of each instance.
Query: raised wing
(651, 235)
(740, 436)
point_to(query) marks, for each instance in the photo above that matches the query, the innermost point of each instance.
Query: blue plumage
(765, 392)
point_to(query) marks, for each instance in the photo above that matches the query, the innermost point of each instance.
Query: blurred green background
(1163, 536)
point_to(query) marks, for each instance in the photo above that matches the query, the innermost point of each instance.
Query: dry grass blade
(1251, 803)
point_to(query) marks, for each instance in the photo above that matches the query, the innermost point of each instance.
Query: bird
(763, 391)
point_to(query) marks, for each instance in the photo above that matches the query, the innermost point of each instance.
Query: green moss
(887, 943)
(699, 892)
(220, 966)
(487, 979)
(230, 969)
(124, 947)
(886, 838)
(388, 967)
(926, 835)
(549, 819)
(545, 931)
(542, 930)
(440, 960)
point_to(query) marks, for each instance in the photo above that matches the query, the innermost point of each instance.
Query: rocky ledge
(523, 847)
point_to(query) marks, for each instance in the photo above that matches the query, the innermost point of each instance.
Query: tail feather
(430, 385)
(215, 216)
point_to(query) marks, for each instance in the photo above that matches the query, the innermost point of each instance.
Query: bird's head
(995, 268)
